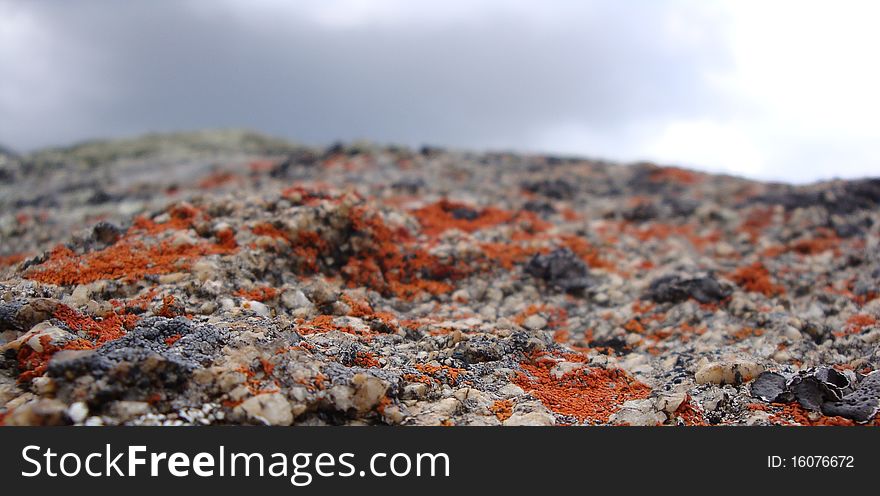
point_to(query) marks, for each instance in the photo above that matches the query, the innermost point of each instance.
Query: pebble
(535, 322)
(535, 419)
(271, 409)
(77, 412)
(728, 372)
(638, 413)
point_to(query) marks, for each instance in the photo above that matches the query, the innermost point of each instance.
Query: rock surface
(227, 277)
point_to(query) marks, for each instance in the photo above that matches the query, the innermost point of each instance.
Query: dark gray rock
(771, 387)
(560, 268)
(675, 289)
(860, 405)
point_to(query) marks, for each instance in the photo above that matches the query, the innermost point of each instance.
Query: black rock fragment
(860, 405)
(825, 390)
(771, 387)
(409, 185)
(300, 158)
(540, 207)
(675, 289)
(618, 345)
(560, 268)
(464, 213)
(558, 189)
(106, 233)
(642, 212)
(809, 392)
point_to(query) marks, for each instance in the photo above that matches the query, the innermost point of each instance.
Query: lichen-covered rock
(228, 277)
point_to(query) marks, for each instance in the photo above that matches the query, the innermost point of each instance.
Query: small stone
(675, 289)
(669, 401)
(77, 412)
(369, 391)
(562, 368)
(38, 412)
(770, 386)
(561, 268)
(44, 386)
(529, 419)
(127, 410)
(639, 413)
(792, 333)
(416, 390)
(270, 409)
(728, 372)
(461, 296)
(293, 299)
(40, 334)
(80, 295)
(535, 322)
(258, 308)
(511, 390)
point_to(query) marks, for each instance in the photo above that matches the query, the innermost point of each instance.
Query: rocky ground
(233, 278)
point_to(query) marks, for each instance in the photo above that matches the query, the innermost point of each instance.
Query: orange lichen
(218, 179)
(384, 403)
(366, 359)
(268, 367)
(856, 324)
(502, 409)
(226, 241)
(508, 254)
(747, 332)
(444, 215)
(32, 363)
(756, 221)
(755, 278)
(308, 246)
(181, 216)
(112, 326)
(6, 260)
(388, 261)
(359, 308)
(826, 240)
(440, 373)
(689, 414)
(324, 323)
(167, 309)
(418, 378)
(266, 229)
(304, 195)
(172, 339)
(586, 251)
(138, 304)
(134, 256)
(795, 414)
(259, 293)
(634, 325)
(99, 331)
(673, 174)
(362, 309)
(588, 394)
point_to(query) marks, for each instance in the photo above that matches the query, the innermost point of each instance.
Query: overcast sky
(766, 89)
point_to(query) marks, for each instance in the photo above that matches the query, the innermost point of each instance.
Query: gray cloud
(106, 68)
(166, 65)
